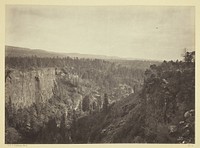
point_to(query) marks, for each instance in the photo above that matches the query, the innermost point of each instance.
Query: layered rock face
(24, 88)
(58, 91)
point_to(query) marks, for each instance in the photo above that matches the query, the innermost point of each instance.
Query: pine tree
(105, 103)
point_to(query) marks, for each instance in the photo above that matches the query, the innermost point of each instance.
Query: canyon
(72, 101)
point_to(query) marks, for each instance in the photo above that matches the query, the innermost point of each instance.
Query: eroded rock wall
(24, 88)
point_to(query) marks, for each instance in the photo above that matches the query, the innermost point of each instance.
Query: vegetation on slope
(161, 112)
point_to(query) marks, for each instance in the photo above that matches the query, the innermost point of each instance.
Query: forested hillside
(162, 112)
(72, 100)
(12, 51)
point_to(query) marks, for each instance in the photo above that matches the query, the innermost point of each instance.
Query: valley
(63, 99)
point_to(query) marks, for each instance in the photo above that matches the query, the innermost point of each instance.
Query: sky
(141, 32)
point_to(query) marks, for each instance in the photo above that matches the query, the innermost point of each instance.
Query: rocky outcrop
(24, 88)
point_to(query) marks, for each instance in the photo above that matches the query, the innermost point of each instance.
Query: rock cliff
(24, 88)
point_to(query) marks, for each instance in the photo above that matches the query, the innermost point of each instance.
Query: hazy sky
(145, 32)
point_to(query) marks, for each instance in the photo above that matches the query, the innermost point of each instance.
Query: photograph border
(194, 3)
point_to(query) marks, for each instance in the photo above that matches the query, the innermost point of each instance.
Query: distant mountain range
(22, 52)
(13, 51)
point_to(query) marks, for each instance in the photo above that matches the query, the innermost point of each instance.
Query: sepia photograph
(99, 74)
